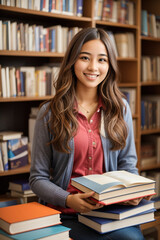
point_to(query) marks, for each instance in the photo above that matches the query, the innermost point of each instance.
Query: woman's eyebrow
(101, 54)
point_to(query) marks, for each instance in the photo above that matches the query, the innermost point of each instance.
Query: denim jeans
(81, 232)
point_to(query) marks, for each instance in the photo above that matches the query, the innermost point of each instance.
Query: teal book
(144, 23)
(49, 233)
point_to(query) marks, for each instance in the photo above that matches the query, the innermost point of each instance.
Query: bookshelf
(130, 67)
(150, 46)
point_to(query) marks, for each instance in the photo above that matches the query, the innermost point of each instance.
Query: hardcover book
(118, 212)
(57, 232)
(20, 185)
(17, 152)
(7, 135)
(29, 216)
(115, 186)
(104, 225)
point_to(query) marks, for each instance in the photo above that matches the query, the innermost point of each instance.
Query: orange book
(29, 216)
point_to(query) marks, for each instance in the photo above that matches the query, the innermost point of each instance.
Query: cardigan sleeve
(41, 158)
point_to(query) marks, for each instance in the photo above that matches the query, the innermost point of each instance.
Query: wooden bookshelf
(150, 46)
(130, 68)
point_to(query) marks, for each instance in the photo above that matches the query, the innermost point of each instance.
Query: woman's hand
(80, 202)
(135, 201)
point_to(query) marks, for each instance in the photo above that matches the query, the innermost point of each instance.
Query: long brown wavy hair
(63, 121)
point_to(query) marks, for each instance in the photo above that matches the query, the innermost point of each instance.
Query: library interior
(34, 35)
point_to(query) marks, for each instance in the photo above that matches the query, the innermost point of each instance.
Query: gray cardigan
(51, 187)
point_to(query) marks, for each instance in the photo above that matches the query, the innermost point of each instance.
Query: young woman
(86, 128)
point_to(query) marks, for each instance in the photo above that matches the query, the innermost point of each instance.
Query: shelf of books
(150, 100)
(31, 50)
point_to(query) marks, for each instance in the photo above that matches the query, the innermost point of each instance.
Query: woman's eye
(84, 58)
(103, 60)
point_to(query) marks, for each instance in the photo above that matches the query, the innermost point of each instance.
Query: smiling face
(92, 64)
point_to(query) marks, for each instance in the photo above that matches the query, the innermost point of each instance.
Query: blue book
(51, 233)
(8, 203)
(144, 23)
(79, 8)
(117, 211)
(104, 225)
(19, 185)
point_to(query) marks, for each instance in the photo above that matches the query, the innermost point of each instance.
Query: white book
(1, 162)
(9, 35)
(143, 69)
(26, 36)
(1, 36)
(14, 36)
(131, 12)
(30, 38)
(114, 17)
(12, 78)
(3, 146)
(7, 82)
(131, 45)
(3, 79)
(122, 44)
(59, 39)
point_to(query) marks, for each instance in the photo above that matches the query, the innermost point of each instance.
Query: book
(20, 185)
(104, 225)
(115, 186)
(8, 135)
(1, 162)
(17, 152)
(117, 211)
(57, 232)
(7, 202)
(144, 23)
(28, 216)
(3, 147)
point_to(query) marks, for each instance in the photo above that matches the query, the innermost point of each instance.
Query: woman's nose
(93, 66)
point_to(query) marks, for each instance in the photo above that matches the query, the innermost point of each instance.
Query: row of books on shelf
(24, 37)
(150, 68)
(13, 150)
(150, 109)
(28, 81)
(150, 151)
(130, 94)
(123, 43)
(69, 7)
(150, 24)
(122, 11)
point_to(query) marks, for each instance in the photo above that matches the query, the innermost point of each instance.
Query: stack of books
(31, 221)
(13, 150)
(21, 189)
(111, 189)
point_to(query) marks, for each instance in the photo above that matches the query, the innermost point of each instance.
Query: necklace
(86, 110)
